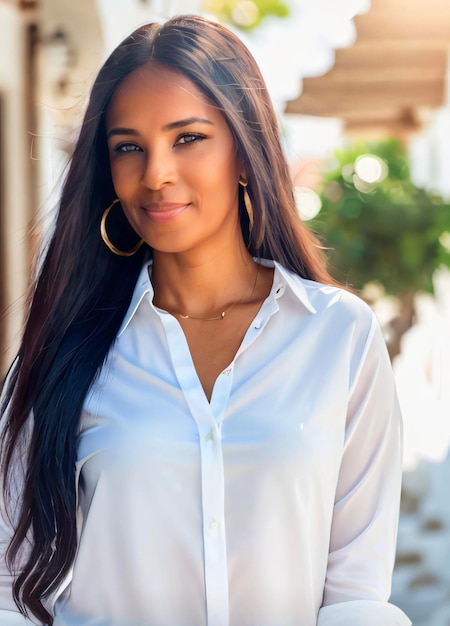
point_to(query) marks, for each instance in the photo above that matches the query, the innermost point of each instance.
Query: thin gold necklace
(221, 316)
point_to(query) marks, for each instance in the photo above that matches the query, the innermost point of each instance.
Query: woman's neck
(202, 285)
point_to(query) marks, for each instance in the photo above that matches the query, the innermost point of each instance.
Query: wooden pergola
(396, 72)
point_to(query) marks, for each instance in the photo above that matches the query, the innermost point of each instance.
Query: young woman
(200, 427)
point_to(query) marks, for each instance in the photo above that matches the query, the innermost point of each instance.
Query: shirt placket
(209, 419)
(209, 424)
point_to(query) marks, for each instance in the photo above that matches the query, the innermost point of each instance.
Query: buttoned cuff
(362, 613)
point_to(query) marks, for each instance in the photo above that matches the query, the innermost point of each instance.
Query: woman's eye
(189, 138)
(127, 147)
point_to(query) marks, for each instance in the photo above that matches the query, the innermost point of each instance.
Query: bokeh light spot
(370, 168)
(245, 13)
(308, 202)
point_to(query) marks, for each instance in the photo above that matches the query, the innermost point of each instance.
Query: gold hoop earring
(247, 203)
(106, 239)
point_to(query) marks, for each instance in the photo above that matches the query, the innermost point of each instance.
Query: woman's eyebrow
(187, 122)
(171, 126)
(122, 131)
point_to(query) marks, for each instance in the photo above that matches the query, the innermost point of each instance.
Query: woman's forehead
(157, 87)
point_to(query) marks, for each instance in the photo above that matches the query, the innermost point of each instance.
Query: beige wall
(15, 179)
(42, 96)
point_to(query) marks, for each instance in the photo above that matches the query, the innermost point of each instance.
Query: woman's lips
(164, 211)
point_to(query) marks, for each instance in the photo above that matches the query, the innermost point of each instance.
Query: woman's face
(173, 162)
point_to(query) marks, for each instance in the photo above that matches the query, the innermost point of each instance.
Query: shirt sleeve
(362, 613)
(13, 618)
(9, 613)
(365, 517)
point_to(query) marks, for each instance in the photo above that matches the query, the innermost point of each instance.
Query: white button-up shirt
(274, 504)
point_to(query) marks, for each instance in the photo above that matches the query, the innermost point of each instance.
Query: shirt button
(210, 435)
(257, 324)
(215, 524)
(227, 372)
(279, 290)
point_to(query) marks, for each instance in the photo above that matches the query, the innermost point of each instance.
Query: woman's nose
(159, 170)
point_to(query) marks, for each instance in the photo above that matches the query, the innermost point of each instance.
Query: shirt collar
(282, 278)
(142, 288)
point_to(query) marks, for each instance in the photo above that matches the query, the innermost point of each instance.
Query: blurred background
(362, 91)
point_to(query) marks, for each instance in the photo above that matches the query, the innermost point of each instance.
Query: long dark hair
(83, 290)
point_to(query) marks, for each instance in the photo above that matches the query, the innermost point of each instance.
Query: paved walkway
(421, 585)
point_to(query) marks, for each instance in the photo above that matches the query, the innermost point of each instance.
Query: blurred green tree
(245, 14)
(380, 226)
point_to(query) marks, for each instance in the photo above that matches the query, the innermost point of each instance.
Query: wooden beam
(418, 22)
(357, 103)
(393, 53)
(408, 6)
(362, 76)
(400, 95)
(397, 66)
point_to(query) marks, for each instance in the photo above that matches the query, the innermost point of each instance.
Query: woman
(200, 427)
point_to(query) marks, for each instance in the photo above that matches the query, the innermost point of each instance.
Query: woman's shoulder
(323, 299)
(341, 297)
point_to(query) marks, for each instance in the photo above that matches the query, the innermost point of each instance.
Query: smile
(164, 211)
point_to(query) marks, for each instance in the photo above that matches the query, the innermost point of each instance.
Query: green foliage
(390, 231)
(245, 14)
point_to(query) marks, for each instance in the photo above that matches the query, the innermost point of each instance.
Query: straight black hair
(83, 290)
